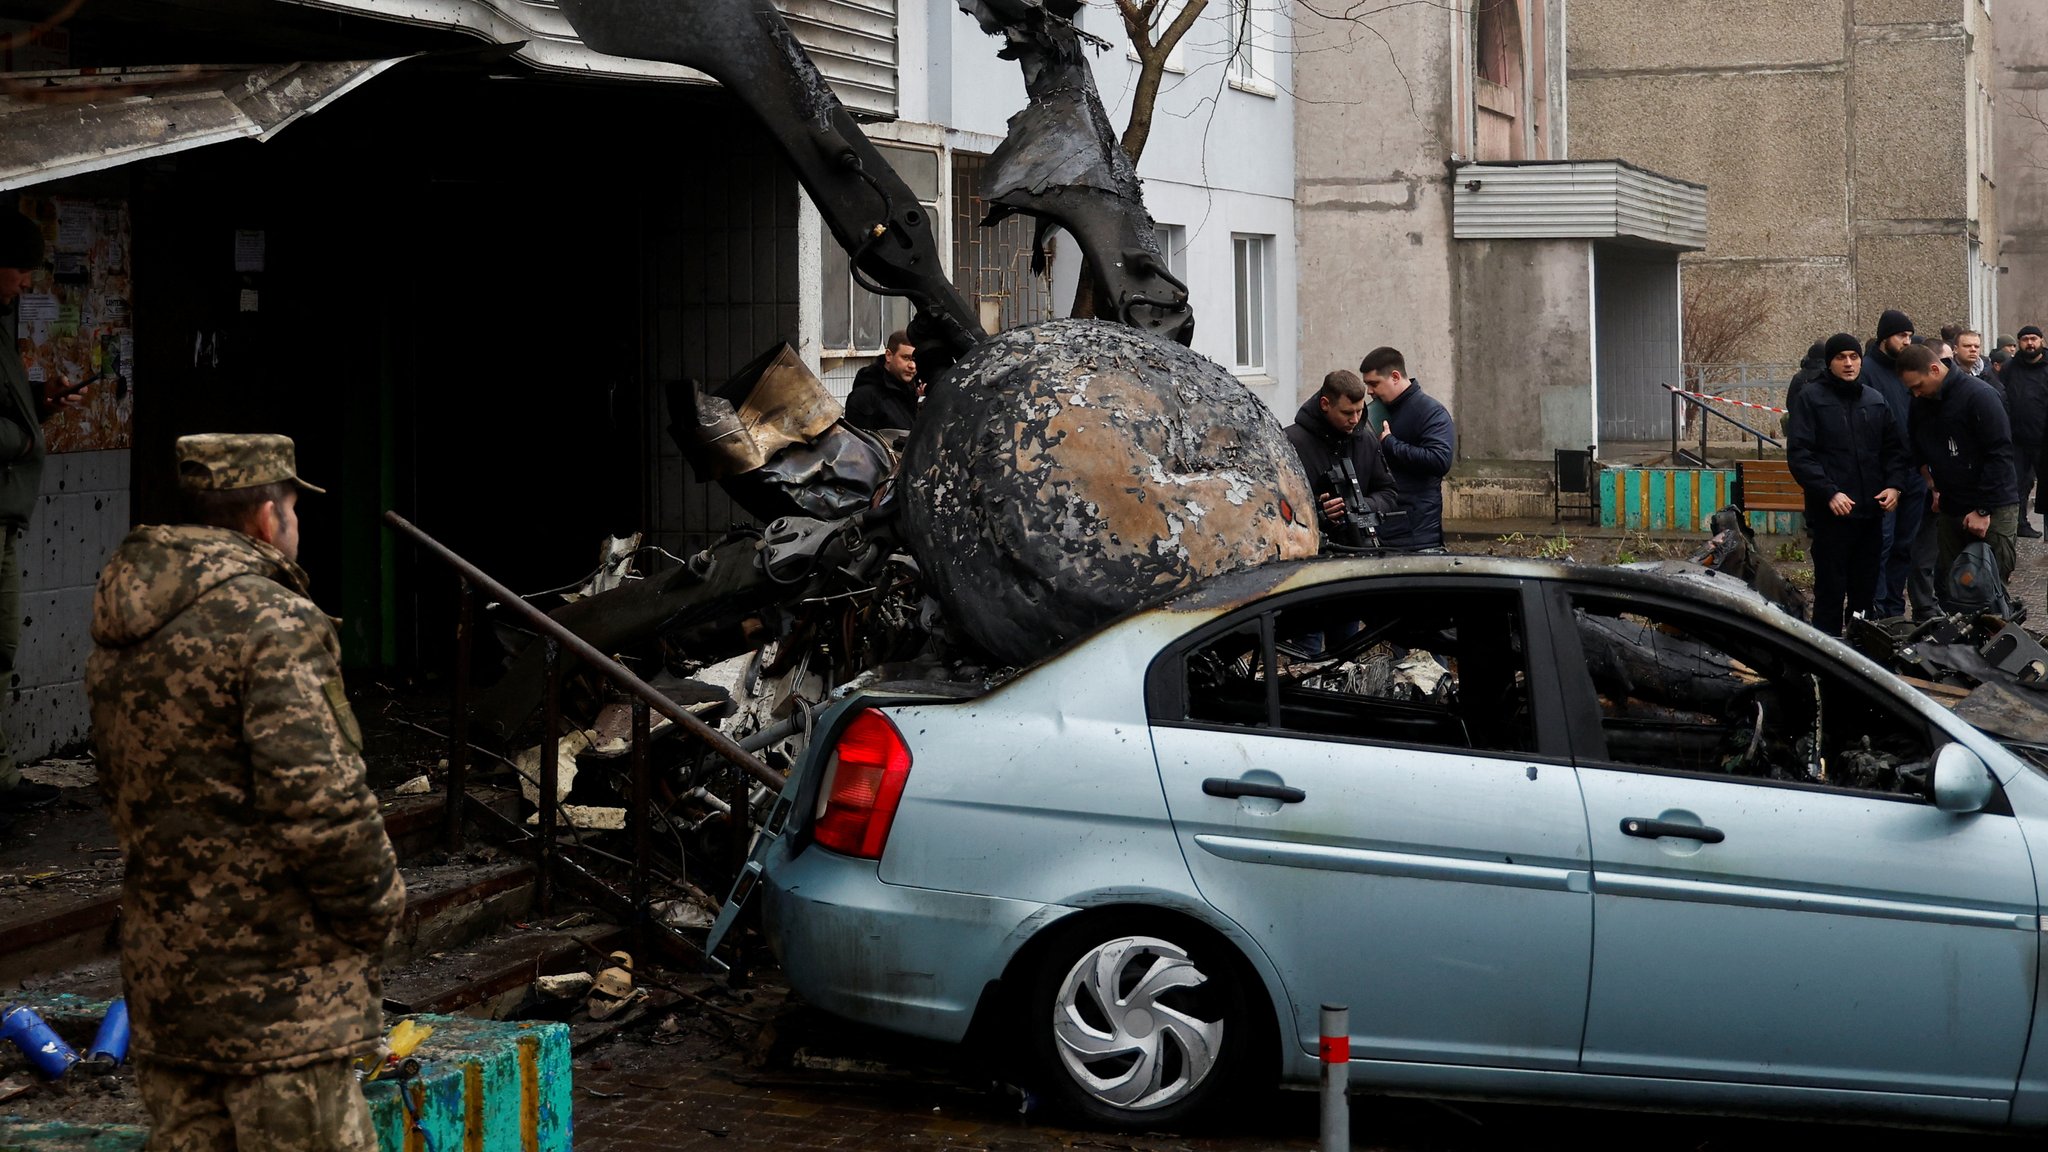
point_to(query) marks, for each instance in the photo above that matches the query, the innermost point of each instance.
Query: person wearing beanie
(1901, 578)
(1847, 455)
(1959, 432)
(22, 411)
(2026, 397)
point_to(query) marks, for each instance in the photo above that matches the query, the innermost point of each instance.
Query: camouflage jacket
(260, 889)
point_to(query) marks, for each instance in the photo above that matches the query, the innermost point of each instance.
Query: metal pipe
(642, 816)
(1335, 1051)
(542, 623)
(738, 824)
(458, 720)
(780, 730)
(550, 777)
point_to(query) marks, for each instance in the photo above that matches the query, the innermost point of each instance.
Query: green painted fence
(1679, 500)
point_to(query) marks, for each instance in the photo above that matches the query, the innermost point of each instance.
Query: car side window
(1226, 678)
(1683, 691)
(1398, 666)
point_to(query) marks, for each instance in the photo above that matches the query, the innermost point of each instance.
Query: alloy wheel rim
(1125, 1027)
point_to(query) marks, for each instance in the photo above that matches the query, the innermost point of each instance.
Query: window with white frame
(1253, 260)
(855, 320)
(1252, 59)
(1162, 19)
(1173, 244)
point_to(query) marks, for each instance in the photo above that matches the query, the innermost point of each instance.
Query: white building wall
(81, 518)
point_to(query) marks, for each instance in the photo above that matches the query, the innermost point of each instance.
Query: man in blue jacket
(1418, 440)
(1847, 455)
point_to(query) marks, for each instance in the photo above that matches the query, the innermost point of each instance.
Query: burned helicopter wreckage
(1060, 474)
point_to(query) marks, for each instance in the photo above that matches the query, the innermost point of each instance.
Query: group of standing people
(1909, 451)
(1375, 445)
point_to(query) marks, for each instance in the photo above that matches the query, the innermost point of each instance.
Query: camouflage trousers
(314, 1109)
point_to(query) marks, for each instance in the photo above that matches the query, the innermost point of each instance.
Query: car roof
(1692, 581)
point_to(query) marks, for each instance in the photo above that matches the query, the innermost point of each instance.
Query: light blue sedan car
(1547, 831)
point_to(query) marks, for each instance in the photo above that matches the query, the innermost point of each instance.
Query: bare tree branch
(1152, 54)
(1723, 315)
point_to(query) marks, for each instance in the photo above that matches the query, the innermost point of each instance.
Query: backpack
(1973, 585)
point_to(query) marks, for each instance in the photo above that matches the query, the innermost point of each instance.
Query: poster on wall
(74, 326)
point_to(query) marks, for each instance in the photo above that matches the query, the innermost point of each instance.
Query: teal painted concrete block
(483, 1086)
(17, 1136)
(489, 1085)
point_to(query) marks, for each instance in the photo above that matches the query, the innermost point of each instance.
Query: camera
(1359, 530)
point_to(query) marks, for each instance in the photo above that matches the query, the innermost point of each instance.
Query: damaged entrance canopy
(59, 124)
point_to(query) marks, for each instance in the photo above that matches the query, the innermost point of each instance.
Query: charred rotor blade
(746, 46)
(1062, 162)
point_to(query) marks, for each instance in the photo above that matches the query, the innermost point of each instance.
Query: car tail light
(870, 764)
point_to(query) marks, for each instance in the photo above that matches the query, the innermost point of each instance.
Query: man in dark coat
(1325, 432)
(1960, 434)
(886, 392)
(1902, 576)
(2026, 395)
(1419, 440)
(1846, 453)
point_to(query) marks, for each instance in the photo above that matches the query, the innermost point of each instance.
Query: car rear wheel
(1137, 1029)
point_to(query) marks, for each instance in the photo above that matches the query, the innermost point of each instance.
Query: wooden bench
(1768, 486)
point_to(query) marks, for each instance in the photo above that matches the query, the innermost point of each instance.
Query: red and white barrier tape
(1724, 400)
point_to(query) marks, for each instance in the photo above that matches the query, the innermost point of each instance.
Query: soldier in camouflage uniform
(260, 890)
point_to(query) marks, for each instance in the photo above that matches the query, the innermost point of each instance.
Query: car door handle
(1233, 789)
(1654, 829)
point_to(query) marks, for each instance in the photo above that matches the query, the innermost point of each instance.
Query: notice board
(74, 321)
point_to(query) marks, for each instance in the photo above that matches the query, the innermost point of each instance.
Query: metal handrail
(621, 675)
(1680, 400)
(560, 641)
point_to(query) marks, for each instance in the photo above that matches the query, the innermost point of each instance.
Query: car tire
(1137, 1025)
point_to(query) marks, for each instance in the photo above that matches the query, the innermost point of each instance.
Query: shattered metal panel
(2006, 712)
(1067, 472)
(853, 42)
(54, 125)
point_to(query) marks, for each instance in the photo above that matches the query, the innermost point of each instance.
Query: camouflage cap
(223, 461)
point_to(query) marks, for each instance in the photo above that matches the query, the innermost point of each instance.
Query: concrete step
(69, 920)
(490, 977)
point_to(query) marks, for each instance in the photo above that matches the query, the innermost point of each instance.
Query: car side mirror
(1962, 782)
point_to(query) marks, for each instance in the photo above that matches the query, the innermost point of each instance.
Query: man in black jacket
(1419, 441)
(2026, 397)
(1325, 433)
(885, 393)
(1846, 453)
(1902, 575)
(1960, 434)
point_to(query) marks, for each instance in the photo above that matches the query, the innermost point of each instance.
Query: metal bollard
(1335, 1051)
